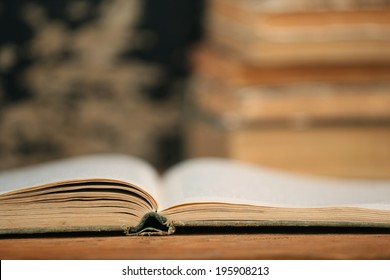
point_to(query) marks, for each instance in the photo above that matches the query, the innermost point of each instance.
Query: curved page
(116, 167)
(219, 180)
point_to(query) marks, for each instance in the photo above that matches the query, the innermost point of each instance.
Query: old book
(285, 6)
(346, 149)
(120, 193)
(285, 34)
(252, 47)
(210, 62)
(310, 14)
(323, 126)
(299, 102)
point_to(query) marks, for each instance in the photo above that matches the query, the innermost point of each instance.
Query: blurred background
(91, 76)
(302, 86)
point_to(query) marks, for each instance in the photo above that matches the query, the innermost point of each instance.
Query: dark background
(68, 87)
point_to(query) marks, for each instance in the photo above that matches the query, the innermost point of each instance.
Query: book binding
(151, 224)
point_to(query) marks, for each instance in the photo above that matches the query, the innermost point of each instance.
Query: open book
(121, 193)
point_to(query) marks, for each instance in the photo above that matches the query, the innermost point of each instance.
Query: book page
(219, 180)
(105, 166)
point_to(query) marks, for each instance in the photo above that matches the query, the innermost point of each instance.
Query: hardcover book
(120, 193)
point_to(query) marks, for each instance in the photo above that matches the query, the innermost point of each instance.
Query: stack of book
(301, 86)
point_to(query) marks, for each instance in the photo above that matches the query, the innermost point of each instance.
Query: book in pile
(298, 85)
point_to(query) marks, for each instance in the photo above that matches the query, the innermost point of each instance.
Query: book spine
(152, 223)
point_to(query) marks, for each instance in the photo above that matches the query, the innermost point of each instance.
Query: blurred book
(212, 62)
(303, 32)
(354, 150)
(336, 129)
(297, 103)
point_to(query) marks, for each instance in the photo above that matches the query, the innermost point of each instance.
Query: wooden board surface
(203, 246)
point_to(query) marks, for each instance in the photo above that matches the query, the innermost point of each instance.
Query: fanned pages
(91, 193)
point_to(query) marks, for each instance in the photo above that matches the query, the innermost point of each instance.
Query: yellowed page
(104, 166)
(219, 180)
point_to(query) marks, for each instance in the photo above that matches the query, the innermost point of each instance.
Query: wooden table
(360, 245)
